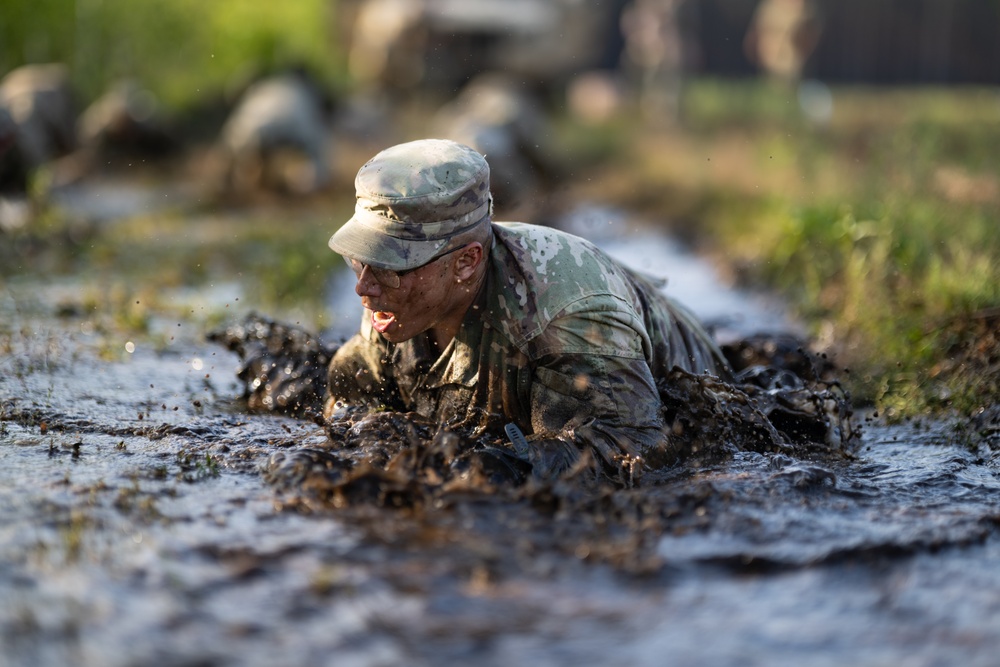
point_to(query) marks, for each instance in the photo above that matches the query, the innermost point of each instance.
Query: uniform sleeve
(594, 388)
(608, 405)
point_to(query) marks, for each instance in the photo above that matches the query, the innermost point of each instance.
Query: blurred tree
(36, 31)
(182, 50)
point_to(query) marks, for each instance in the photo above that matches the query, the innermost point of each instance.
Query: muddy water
(136, 528)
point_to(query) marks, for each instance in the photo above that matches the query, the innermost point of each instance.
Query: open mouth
(382, 320)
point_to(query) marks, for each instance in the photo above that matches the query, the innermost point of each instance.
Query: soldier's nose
(367, 285)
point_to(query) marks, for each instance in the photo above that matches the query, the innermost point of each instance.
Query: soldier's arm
(605, 404)
(593, 389)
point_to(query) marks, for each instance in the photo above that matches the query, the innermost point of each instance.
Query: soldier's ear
(469, 258)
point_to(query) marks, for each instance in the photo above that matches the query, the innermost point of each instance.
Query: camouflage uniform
(562, 341)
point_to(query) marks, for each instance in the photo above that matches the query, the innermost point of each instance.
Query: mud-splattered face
(429, 297)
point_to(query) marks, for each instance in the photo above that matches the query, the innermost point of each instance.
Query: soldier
(38, 104)
(495, 116)
(654, 47)
(125, 120)
(484, 324)
(281, 116)
(781, 37)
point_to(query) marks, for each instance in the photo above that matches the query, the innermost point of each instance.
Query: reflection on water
(135, 528)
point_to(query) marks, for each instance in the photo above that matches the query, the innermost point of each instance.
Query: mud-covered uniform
(562, 341)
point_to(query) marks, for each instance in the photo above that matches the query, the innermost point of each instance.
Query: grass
(180, 50)
(879, 226)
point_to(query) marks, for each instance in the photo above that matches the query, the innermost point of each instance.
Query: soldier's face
(426, 298)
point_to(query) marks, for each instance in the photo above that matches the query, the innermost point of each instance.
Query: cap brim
(357, 241)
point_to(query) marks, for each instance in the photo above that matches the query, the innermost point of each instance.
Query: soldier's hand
(551, 458)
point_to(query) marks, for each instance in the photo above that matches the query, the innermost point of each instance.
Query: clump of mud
(283, 366)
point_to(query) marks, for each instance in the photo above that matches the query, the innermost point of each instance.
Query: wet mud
(151, 512)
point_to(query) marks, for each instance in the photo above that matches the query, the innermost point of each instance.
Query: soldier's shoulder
(542, 273)
(553, 257)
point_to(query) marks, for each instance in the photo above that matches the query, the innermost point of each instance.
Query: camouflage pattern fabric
(562, 341)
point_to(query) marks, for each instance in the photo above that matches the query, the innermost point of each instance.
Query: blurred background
(842, 153)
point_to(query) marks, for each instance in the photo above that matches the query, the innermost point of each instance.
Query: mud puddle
(136, 527)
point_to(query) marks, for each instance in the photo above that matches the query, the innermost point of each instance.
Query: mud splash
(783, 399)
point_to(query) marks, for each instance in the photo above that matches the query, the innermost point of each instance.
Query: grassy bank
(878, 225)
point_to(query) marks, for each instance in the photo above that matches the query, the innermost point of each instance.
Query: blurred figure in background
(654, 50)
(386, 42)
(505, 122)
(40, 114)
(124, 121)
(402, 48)
(276, 138)
(121, 126)
(781, 37)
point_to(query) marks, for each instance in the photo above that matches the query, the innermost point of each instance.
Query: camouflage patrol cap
(412, 200)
